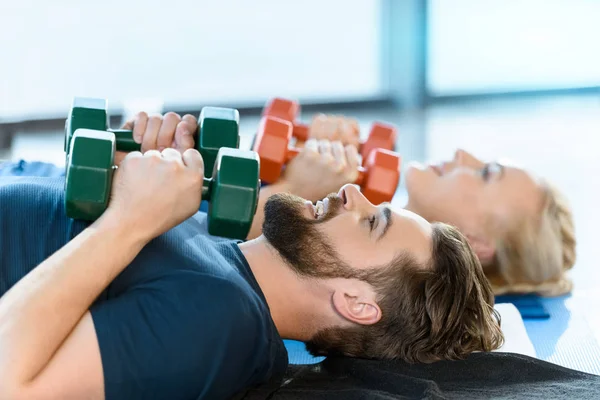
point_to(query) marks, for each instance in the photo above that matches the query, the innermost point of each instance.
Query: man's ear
(482, 246)
(357, 307)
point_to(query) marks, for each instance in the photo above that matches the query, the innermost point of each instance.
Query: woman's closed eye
(490, 170)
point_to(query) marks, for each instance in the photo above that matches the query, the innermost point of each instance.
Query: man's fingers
(192, 159)
(151, 133)
(139, 124)
(184, 138)
(192, 121)
(172, 154)
(153, 153)
(166, 132)
(128, 125)
(133, 154)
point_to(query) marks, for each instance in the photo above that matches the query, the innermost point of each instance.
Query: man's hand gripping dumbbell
(232, 190)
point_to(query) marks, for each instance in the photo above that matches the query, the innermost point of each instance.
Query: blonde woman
(519, 224)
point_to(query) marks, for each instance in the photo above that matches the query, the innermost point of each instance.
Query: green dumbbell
(217, 127)
(232, 190)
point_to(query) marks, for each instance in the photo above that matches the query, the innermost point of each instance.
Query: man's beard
(298, 240)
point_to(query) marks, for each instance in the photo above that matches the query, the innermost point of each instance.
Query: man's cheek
(351, 246)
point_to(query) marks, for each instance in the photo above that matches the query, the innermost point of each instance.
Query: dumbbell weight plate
(85, 113)
(233, 193)
(89, 176)
(219, 127)
(383, 176)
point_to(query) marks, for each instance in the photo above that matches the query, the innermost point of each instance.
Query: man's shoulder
(227, 294)
(32, 187)
(35, 205)
(31, 195)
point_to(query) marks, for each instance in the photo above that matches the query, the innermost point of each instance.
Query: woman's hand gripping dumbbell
(378, 177)
(333, 127)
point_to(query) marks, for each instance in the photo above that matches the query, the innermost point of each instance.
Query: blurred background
(437, 68)
(517, 79)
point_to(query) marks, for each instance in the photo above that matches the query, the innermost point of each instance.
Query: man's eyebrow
(386, 218)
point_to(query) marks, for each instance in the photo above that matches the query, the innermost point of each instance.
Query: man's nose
(353, 198)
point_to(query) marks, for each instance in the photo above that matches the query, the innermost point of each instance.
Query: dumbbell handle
(206, 189)
(300, 131)
(362, 172)
(124, 140)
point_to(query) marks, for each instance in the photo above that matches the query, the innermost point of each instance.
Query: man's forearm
(41, 310)
(259, 217)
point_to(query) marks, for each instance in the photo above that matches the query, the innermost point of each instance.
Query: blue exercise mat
(567, 337)
(530, 306)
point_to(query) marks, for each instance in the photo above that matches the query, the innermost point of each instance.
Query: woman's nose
(459, 156)
(465, 159)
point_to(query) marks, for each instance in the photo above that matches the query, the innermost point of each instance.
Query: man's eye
(372, 221)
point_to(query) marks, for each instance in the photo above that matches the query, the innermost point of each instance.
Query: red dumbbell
(378, 178)
(382, 136)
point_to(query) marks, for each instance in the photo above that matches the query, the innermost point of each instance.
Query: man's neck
(294, 302)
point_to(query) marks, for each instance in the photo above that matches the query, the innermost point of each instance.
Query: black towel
(481, 376)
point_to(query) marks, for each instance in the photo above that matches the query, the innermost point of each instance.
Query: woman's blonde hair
(535, 252)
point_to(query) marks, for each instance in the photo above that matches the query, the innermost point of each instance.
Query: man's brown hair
(443, 310)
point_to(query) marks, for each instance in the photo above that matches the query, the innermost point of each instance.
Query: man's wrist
(122, 229)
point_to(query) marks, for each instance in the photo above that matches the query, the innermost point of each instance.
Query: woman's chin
(411, 174)
(415, 165)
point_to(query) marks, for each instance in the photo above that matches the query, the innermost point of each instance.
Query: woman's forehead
(519, 190)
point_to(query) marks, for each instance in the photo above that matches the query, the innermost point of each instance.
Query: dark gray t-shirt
(185, 320)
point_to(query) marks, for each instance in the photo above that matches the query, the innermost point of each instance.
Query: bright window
(483, 46)
(185, 52)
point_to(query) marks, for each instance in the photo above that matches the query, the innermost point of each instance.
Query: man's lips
(323, 205)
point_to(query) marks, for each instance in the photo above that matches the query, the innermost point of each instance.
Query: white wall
(185, 52)
(486, 46)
